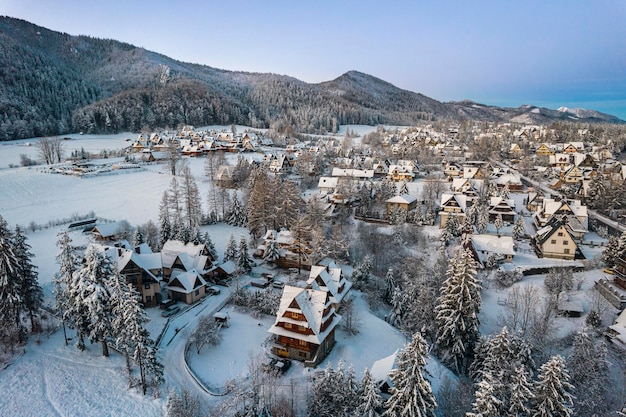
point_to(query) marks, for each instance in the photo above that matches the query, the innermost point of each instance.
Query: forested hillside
(53, 83)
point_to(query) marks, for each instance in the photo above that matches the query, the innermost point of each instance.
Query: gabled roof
(311, 303)
(329, 278)
(460, 199)
(186, 282)
(402, 199)
(500, 245)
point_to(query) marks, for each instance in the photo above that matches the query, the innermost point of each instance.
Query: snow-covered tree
(361, 273)
(230, 254)
(10, 288)
(521, 393)
(613, 250)
(390, 285)
(272, 250)
(139, 237)
(206, 333)
(482, 218)
(68, 264)
(397, 215)
(31, 292)
(498, 223)
(91, 304)
(589, 372)
(553, 396)
(243, 258)
(486, 404)
(396, 314)
(236, 216)
(457, 312)
(411, 394)
(519, 227)
(404, 188)
(370, 400)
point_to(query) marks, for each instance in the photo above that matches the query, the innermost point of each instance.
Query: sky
(548, 53)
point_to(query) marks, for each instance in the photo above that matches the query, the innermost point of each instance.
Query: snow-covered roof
(312, 304)
(107, 230)
(328, 182)
(402, 199)
(382, 367)
(186, 282)
(329, 279)
(501, 245)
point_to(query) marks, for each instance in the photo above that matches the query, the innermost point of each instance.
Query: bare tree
(50, 150)
(522, 309)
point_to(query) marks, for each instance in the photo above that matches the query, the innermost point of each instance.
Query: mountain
(53, 83)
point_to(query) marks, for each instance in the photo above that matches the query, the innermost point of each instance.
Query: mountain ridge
(53, 83)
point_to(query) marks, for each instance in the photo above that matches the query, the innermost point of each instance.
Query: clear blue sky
(503, 52)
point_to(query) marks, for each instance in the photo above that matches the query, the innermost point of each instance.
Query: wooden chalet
(329, 278)
(452, 204)
(482, 247)
(188, 287)
(305, 324)
(501, 206)
(555, 241)
(106, 232)
(406, 202)
(178, 256)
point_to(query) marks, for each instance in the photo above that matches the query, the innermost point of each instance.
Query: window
(146, 286)
(287, 325)
(560, 234)
(566, 251)
(197, 292)
(148, 298)
(565, 242)
(553, 241)
(302, 342)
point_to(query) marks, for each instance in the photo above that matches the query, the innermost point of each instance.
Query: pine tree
(390, 285)
(272, 251)
(68, 264)
(230, 254)
(520, 393)
(165, 230)
(11, 298)
(139, 238)
(457, 312)
(519, 228)
(404, 188)
(486, 404)
(397, 308)
(370, 400)
(361, 273)
(613, 251)
(589, 371)
(498, 223)
(190, 197)
(92, 297)
(411, 394)
(31, 292)
(206, 239)
(552, 390)
(482, 218)
(236, 216)
(243, 258)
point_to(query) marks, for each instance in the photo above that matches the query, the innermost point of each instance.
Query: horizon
(495, 53)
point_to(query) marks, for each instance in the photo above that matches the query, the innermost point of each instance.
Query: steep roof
(186, 282)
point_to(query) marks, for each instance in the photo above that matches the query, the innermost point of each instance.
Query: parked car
(167, 303)
(170, 311)
(278, 284)
(276, 365)
(213, 290)
(608, 271)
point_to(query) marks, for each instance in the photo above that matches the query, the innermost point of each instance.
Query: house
(619, 271)
(515, 151)
(179, 256)
(223, 271)
(510, 181)
(544, 150)
(551, 207)
(381, 370)
(305, 325)
(555, 241)
(501, 206)
(452, 204)
(327, 185)
(405, 201)
(107, 232)
(224, 176)
(188, 286)
(294, 252)
(617, 332)
(500, 248)
(329, 278)
(452, 170)
(143, 271)
(401, 173)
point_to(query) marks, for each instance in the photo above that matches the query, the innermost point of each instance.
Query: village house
(619, 271)
(187, 287)
(329, 278)
(305, 324)
(551, 208)
(498, 248)
(405, 202)
(293, 252)
(452, 204)
(503, 207)
(178, 256)
(555, 241)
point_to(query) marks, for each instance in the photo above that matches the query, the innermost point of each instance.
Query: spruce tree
(457, 312)
(411, 394)
(521, 393)
(519, 227)
(243, 258)
(11, 298)
(370, 400)
(498, 223)
(272, 251)
(553, 396)
(68, 264)
(230, 254)
(31, 292)
(487, 404)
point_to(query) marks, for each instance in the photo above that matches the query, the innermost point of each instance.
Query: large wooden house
(619, 271)
(329, 278)
(178, 256)
(503, 207)
(452, 204)
(555, 241)
(305, 325)
(188, 287)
